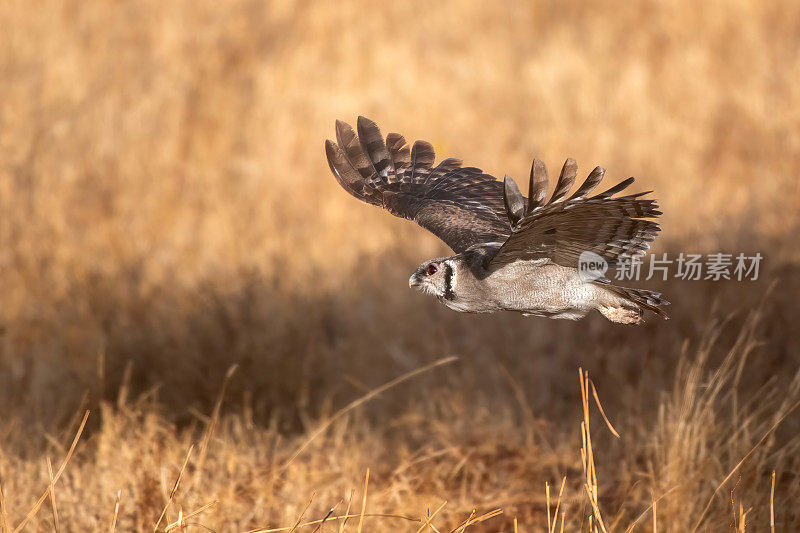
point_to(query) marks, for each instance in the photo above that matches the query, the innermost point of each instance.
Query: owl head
(434, 277)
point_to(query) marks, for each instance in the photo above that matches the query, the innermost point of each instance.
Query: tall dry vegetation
(166, 212)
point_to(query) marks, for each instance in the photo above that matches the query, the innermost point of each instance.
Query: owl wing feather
(460, 205)
(612, 227)
(465, 207)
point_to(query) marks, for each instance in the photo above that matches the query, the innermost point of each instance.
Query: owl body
(512, 253)
(532, 287)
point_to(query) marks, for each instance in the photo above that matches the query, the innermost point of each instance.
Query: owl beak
(414, 281)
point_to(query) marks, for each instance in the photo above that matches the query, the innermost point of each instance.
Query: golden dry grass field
(167, 212)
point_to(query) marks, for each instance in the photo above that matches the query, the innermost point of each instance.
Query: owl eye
(432, 269)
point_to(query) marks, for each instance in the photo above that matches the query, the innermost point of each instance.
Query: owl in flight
(511, 253)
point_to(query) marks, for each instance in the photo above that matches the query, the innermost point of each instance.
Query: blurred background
(166, 212)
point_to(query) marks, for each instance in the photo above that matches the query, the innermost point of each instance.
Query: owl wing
(460, 205)
(562, 228)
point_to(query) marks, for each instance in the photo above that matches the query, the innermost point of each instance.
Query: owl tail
(645, 299)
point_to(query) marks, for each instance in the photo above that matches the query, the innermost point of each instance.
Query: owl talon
(622, 315)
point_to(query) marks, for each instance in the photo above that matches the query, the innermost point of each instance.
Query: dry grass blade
(742, 518)
(346, 512)
(462, 526)
(772, 504)
(655, 515)
(743, 459)
(53, 504)
(3, 513)
(325, 519)
(363, 502)
(430, 517)
(547, 497)
(367, 397)
(649, 508)
(477, 519)
(209, 432)
(302, 513)
(602, 411)
(595, 508)
(558, 504)
(587, 453)
(174, 488)
(182, 521)
(336, 518)
(113, 527)
(122, 395)
(55, 478)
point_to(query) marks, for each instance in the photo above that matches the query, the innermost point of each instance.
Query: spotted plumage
(511, 252)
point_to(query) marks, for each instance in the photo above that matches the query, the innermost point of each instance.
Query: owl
(511, 253)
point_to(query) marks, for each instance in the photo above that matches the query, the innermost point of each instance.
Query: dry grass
(166, 213)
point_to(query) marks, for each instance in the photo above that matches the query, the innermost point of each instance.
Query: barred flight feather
(466, 207)
(612, 227)
(461, 205)
(373, 145)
